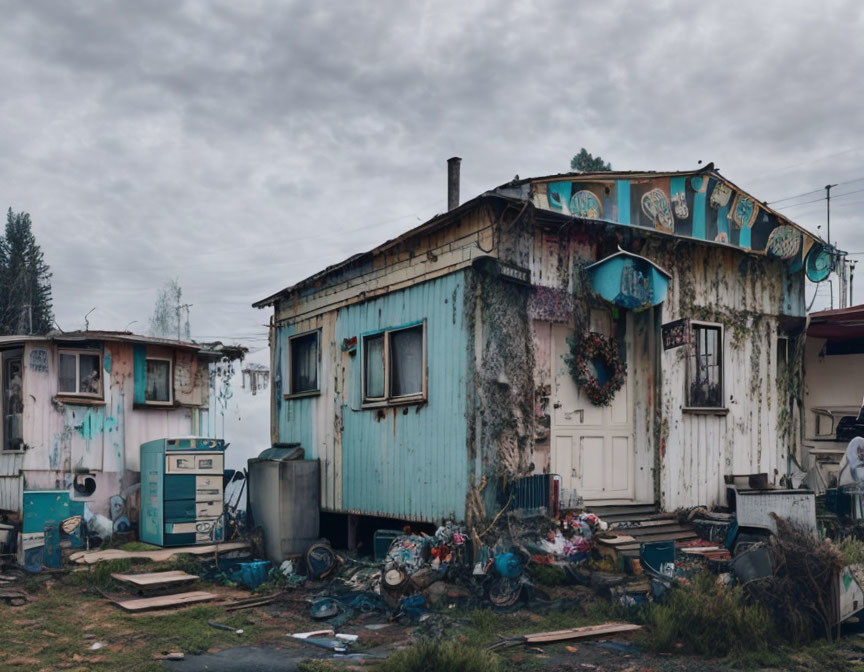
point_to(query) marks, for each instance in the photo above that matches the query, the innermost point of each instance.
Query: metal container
(284, 497)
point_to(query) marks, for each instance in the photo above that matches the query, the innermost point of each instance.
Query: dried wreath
(594, 347)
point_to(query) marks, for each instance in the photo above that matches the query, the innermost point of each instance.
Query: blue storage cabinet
(181, 491)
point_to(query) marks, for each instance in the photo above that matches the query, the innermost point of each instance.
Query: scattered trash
(251, 574)
(96, 646)
(226, 628)
(321, 561)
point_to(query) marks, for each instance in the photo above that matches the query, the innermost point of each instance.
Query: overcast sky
(241, 146)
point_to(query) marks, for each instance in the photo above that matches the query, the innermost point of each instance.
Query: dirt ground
(68, 624)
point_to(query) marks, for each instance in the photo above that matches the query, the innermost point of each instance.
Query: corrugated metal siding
(413, 462)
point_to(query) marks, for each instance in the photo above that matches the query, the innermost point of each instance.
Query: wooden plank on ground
(580, 633)
(165, 601)
(615, 541)
(567, 635)
(163, 554)
(156, 579)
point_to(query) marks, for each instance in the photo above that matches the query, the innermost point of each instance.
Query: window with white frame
(705, 366)
(303, 363)
(394, 365)
(79, 373)
(157, 385)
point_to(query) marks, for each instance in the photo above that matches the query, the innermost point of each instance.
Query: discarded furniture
(181, 491)
(284, 497)
(43, 531)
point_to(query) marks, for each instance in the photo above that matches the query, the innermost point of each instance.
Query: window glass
(12, 404)
(304, 363)
(705, 371)
(66, 376)
(373, 349)
(89, 374)
(158, 385)
(406, 359)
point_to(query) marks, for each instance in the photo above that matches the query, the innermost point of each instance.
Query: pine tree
(25, 280)
(166, 319)
(586, 163)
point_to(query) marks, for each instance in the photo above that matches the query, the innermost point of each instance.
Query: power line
(815, 191)
(815, 200)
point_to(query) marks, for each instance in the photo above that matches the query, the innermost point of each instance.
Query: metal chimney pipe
(453, 182)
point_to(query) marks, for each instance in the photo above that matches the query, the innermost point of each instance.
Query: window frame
(77, 352)
(291, 394)
(7, 356)
(170, 361)
(388, 399)
(695, 326)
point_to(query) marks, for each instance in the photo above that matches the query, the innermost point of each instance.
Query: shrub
(448, 657)
(710, 619)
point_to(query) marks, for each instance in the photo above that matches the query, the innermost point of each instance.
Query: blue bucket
(251, 574)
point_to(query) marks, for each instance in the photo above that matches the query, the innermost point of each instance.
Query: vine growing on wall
(790, 392)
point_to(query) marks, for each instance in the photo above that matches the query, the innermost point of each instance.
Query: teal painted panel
(403, 461)
(699, 206)
(139, 364)
(150, 528)
(622, 189)
(179, 486)
(44, 507)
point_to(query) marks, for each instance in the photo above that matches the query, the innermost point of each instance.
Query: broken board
(566, 635)
(155, 580)
(166, 601)
(92, 557)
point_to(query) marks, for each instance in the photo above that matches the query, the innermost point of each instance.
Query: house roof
(525, 192)
(839, 324)
(214, 350)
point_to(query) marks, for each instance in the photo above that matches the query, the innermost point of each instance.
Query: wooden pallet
(165, 601)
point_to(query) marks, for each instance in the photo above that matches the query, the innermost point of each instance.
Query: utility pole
(828, 188)
(851, 279)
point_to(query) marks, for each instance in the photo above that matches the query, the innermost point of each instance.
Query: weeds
(99, 575)
(710, 619)
(449, 657)
(852, 550)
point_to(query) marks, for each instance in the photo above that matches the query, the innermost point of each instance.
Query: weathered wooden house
(77, 406)
(432, 371)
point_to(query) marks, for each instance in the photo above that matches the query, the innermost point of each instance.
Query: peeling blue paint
(106, 361)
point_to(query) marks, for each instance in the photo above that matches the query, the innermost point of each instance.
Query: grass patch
(709, 619)
(137, 546)
(99, 575)
(446, 657)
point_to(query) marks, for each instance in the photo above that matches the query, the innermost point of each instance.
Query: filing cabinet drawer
(208, 487)
(208, 509)
(210, 463)
(188, 463)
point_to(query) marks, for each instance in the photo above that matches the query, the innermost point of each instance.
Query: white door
(592, 446)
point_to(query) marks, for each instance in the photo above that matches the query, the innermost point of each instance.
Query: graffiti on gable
(39, 360)
(702, 207)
